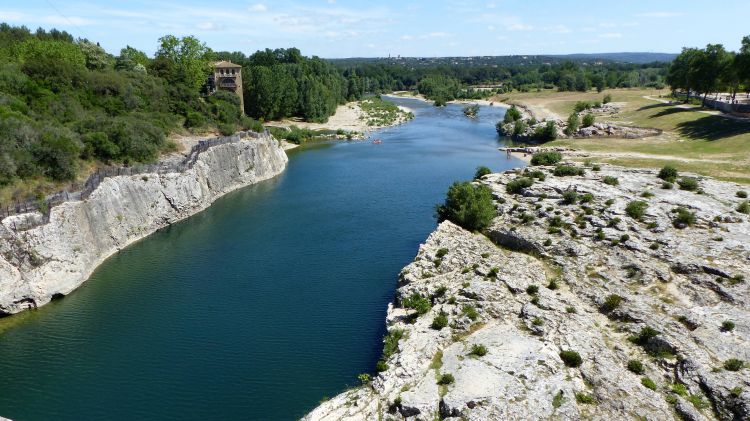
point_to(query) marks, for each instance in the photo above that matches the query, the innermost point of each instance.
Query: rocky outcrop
(530, 129)
(53, 258)
(572, 307)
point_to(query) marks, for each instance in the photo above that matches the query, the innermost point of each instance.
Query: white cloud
(490, 28)
(658, 14)
(258, 8)
(611, 35)
(519, 27)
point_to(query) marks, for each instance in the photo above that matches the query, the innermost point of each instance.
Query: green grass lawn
(693, 141)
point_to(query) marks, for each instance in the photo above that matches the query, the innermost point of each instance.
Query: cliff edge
(573, 305)
(51, 259)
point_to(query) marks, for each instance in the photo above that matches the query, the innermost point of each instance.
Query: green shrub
(539, 175)
(440, 321)
(571, 358)
(733, 364)
(607, 99)
(441, 253)
(742, 194)
(512, 115)
(744, 207)
(683, 218)
(573, 123)
(381, 366)
(468, 205)
(584, 398)
(548, 242)
(647, 194)
(636, 209)
(519, 128)
(588, 120)
(546, 133)
(445, 379)
(518, 185)
(478, 350)
(570, 197)
(624, 238)
(667, 185)
(570, 309)
(688, 183)
(195, 119)
(532, 289)
(727, 326)
(567, 170)
(417, 302)
(587, 198)
(364, 378)
(668, 173)
(226, 129)
(648, 383)
(553, 285)
(645, 334)
(611, 303)
(470, 312)
(610, 180)
(390, 342)
(481, 172)
(546, 158)
(581, 106)
(636, 367)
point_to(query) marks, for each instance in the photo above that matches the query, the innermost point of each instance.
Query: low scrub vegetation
(546, 158)
(571, 358)
(636, 209)
(567, 170)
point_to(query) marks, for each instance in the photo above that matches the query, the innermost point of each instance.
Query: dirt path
(637, 155)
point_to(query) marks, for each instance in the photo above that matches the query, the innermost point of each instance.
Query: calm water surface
(258, 307)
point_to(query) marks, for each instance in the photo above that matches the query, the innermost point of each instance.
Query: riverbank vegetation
(378, 112)
(66, 104)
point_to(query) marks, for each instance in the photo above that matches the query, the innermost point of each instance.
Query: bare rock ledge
(53, 259)
(607, 286)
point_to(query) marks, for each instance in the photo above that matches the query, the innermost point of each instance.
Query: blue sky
(347, 28)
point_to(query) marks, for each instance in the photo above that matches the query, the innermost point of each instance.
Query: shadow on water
(258, 307)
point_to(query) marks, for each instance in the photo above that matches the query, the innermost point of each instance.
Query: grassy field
(692, 140)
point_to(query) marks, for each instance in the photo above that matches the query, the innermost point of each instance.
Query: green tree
(191, 59)
(468, 205)
(707, 67)
(678, 75)
(96, 57)
(131, 59)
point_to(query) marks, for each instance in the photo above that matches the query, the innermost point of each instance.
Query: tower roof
(226, 64)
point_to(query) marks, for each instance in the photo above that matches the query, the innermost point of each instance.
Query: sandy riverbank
(348, 117)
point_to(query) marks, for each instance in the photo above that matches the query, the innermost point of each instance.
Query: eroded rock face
(586, 278)
(55, 258)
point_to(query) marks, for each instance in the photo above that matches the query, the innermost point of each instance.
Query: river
(258, 307)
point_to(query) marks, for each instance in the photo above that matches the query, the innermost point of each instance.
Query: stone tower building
(228, 77)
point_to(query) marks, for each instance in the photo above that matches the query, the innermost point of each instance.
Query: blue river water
(260, 306)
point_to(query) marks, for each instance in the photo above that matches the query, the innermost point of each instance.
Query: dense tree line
(711, 69)
(565, 75)
(282, 83)
(64, 100)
